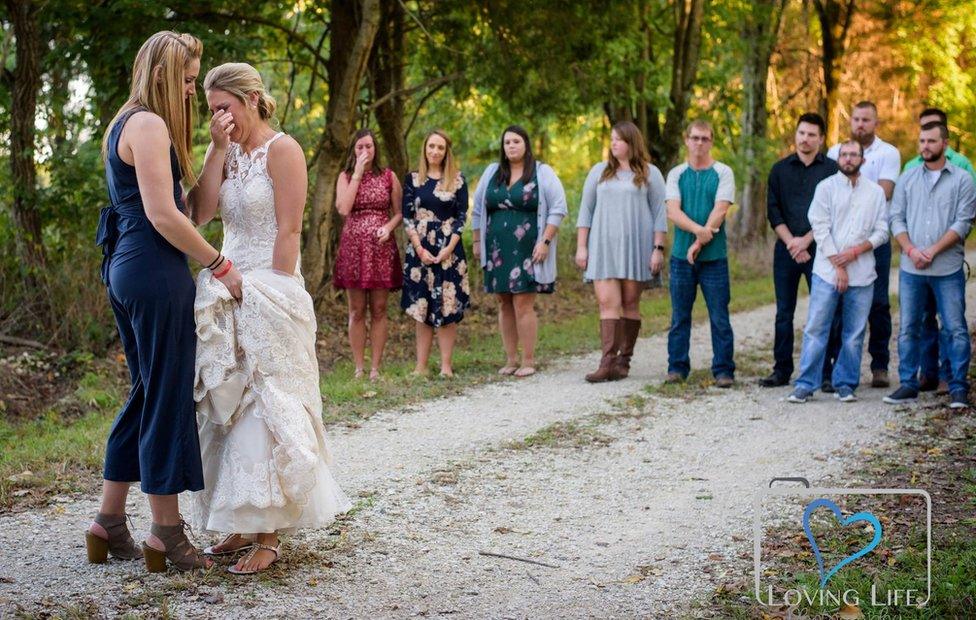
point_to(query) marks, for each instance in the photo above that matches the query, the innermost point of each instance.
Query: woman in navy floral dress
(435, 271)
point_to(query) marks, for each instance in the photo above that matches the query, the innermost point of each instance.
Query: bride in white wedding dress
(259, 409)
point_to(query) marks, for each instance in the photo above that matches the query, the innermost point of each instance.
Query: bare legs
(446, 337)
(113, 503)
(357, 327)
(358, 301)
(519, 325)
(618, 299)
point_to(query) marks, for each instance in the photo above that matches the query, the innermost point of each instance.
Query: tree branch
(408, 92)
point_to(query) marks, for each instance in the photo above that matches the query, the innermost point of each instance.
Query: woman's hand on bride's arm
(286, 165)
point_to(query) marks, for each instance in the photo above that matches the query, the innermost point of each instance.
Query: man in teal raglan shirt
(933, 370)
(699, 193)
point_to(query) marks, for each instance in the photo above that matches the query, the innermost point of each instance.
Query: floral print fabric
(435, 294)
(512, 233)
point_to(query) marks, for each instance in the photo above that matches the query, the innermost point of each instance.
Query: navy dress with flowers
(511, 237)
(435, 294)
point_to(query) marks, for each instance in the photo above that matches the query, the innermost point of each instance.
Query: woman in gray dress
(620, 242)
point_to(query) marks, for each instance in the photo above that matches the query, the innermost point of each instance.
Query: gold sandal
(250, 554)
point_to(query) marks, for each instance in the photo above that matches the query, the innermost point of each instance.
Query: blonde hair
(639, 157)
(157, 86)
(241, 80)
(449, 169)
(701, 125)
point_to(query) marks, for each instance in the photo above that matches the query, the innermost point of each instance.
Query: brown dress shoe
(879, 379)
(628, 331)
(724, 382)
(609, 345)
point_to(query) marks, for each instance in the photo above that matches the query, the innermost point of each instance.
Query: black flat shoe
(774, 380)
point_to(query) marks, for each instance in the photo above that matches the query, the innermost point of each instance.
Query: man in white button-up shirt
(882, 164)
(848, 216)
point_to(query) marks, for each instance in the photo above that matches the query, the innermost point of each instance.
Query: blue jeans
(825, 302)
(787, 274)
(879, 319)
(933, 363)
(950, 303)
(713, 278)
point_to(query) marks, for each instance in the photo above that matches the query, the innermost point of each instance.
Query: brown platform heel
(179, 550)
(119, 543)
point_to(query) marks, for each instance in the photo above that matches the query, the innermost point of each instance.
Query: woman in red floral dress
(368, 262)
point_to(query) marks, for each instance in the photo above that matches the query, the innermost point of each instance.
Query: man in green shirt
(698, 194)
(933, 115)
(933, 371)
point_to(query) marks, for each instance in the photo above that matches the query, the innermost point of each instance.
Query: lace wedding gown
(259, 409)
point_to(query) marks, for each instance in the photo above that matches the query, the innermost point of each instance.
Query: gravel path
(634, 503)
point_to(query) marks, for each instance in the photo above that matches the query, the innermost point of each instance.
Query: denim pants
(787, 274)
(825, 303)
(933, 363)
(879, 319)
(950, 303)
(685, 279)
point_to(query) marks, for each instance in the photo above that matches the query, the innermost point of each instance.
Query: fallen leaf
(849, 612)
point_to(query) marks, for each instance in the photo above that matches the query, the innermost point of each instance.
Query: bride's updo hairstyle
(241, 80)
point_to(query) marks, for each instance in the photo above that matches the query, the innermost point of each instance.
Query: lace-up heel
(119, 543)
(180, 552)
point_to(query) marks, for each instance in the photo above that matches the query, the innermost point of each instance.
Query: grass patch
(59, 451)
(569, 434)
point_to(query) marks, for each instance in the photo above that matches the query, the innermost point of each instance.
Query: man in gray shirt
(931, 213)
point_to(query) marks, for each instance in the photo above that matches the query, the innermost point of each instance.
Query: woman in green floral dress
(518, 206)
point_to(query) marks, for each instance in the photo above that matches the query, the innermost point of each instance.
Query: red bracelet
(224, 270)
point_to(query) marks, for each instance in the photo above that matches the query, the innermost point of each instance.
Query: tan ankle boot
(179, 550)
(627, 332)
(119, 542)
(609, 346)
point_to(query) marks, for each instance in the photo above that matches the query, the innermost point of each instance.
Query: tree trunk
(760, 30)
(387, 71)
(688, 15)
(354, 25)
(25, 82)
(835, 18)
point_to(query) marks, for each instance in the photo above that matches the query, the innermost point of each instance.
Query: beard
(850, 171)
(933, 155)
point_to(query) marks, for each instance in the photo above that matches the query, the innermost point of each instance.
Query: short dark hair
(943, 130)
(812, 118)
(860, 105)
(846, 142)
(934, 112)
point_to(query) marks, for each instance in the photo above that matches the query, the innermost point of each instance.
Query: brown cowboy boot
(610, 344)
(627, 332)
(119, 542)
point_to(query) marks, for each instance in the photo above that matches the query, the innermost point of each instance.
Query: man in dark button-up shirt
(792, 182)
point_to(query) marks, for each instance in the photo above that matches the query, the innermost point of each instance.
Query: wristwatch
(659, 247)
(547, 241)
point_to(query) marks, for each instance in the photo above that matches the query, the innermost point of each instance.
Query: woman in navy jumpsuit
(146, 236)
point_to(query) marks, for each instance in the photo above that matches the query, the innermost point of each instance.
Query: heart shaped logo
(865, 517)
